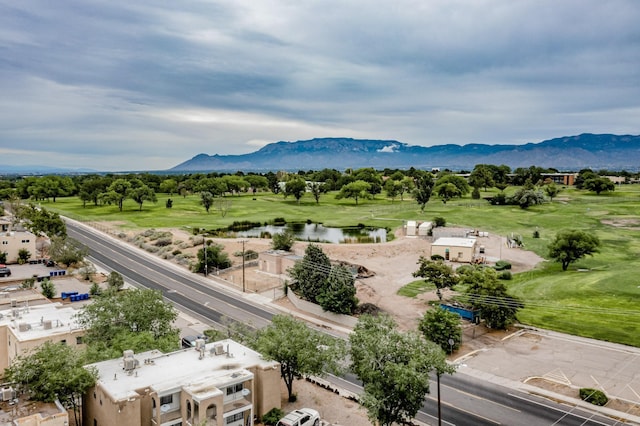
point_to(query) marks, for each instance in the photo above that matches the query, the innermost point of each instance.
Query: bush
(23, 256)
(3, 257)
(498, 199)
(594, 396)
(536, 234)
(163, 242)
(279, 221)
(439, 221)
(505, 275)
(501, 265)
(475, 194)
(436, 257)
(272, 416)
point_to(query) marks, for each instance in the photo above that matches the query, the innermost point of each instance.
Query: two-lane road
(465, 399)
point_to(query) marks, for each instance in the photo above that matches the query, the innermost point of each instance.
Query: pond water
(320, 233)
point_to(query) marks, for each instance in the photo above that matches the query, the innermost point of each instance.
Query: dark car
(4, 271)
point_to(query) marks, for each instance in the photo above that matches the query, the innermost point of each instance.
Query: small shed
(455, 249)
(424, 228)
(411, 228)
(276, 261)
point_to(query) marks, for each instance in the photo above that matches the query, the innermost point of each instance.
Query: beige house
(277, 261)
(11, 242)
(24, 327)
(214, 384)
(455, 249)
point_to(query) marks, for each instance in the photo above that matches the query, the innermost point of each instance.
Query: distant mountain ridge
(602, 151)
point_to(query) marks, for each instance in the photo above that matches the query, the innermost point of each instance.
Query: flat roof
(454, 242)
(184, 368)
(36, 318)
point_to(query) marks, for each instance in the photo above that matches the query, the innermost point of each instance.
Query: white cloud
(144, 84)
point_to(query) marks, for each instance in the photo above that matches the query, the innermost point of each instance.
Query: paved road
(465, 400)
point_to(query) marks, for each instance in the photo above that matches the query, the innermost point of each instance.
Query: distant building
(455, 249)
(11, 242)
(560, 178)
(222, 383)
(276, 262)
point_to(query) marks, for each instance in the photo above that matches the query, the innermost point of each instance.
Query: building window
(234, 418)
(63, 342)
(4, 243)
(235, 389)
(78, 340)
(25, 241)
(95, 422)
(168, 399)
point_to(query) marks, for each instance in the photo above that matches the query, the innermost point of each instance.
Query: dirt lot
(392, 265)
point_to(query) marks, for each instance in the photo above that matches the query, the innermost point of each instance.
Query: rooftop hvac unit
(15, 312)
(130, 364)
(14, 303)
(8, 394)
(47, 324)
(218, 349)
(23, 326)
(127, 354)
(199, 344)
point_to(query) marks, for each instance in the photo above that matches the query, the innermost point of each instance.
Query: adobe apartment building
(24, 327)
(11, 242)
(214, 384)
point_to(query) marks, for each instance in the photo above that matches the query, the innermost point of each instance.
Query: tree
(372, 177)
(295, 187)
(43, 222)
(599, 184)
(356, 190)
(139, 192)
(339, 293)
(223, 206)
(441, 327)
(169, 186)
(437, 273)
(137, 317)
(67, 251)
(206, 199)
(48, 288)
(481, 176)
(115, 281)
(422, 192)
(317, 189)
(484, 292)
(282, 240)
(458, 181)
(394, 368)
(117, 192)
(447, 191)
(299, 349)
(215, 257)
(257, 182)
(54, 371)
(310, 274)
(525, 198)
(551, 190)
(392, 188)
(572, 245)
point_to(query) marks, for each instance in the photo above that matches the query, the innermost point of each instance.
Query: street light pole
(439, 409)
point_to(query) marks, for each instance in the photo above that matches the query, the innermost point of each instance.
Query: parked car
(301, 417)
(4, 271)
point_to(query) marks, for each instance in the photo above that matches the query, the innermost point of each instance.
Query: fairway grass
(597, 297)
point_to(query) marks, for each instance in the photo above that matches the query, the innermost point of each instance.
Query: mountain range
(569, 153)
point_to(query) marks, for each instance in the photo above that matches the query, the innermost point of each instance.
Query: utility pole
(204, 248)
(243, 287)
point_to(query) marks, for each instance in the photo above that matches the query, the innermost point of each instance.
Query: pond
(319, 233)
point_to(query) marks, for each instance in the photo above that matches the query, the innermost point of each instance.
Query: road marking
(468, 412)
(566, 413)
(481, 398)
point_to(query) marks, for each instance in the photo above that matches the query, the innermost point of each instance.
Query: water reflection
(318, 232)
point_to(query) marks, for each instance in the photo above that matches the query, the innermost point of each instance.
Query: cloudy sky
(145, 85)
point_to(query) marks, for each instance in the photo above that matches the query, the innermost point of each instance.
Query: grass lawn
(597, 297)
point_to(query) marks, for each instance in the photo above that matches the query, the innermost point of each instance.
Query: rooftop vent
(47, 324)
(23, 326)
(218, 349)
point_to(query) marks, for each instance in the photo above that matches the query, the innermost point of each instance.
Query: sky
(118, 85)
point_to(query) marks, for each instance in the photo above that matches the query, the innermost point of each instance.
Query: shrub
(439, 221)
(501, 265)
(536, 234)
(23, 256)
(505, 275)
(48, 289)
(272, 416)
(463, 269)
(475, 194)
(594, 396)
(436, 257)
(279, 221)
(498, 199)
(3, 257)
(176, 252)
(95, 289)
(163, 242)
(28, 283)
